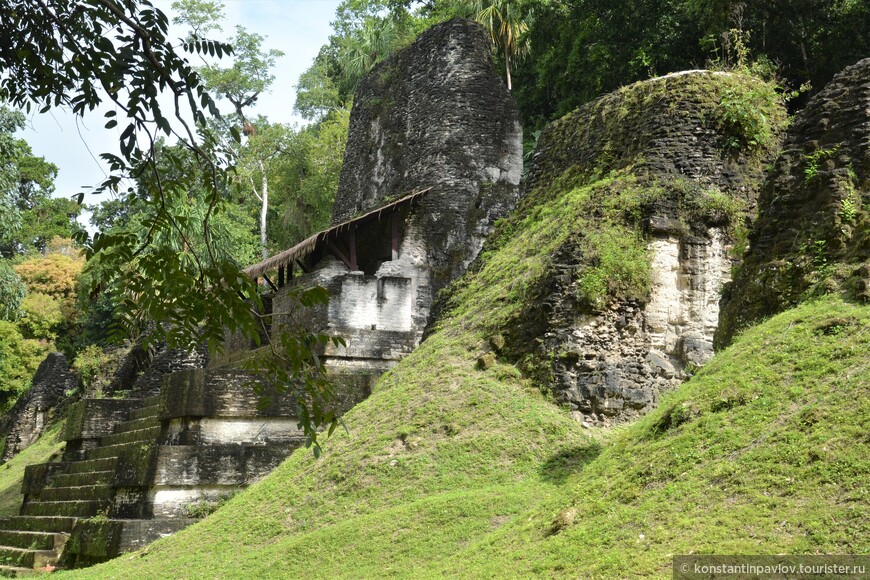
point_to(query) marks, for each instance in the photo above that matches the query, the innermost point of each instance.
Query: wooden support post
(289, 272)
(266, 278)
(352, 244)
(394, 235)
(281, 276)
(339, 254)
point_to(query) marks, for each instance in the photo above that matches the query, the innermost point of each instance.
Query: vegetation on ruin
(453, 467)
(47, 448)
(447, 469)
(458, 468)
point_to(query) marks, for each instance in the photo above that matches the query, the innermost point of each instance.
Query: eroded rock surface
(436, 114)
(812, 236)
(668, 138)
(29, 416)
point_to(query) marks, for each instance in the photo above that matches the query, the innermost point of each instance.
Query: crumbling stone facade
(813, 231)
(434, 118)
(436, 115)
(611, 363)
(27, 419)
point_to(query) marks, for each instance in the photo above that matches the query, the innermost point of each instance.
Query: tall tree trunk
(264, 208)
(507, 66)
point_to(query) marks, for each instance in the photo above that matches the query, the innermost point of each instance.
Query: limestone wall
(215, 439)
(813, 231)
(612, 365)
(611, 362)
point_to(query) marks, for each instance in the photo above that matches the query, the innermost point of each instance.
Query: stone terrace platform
(135, 470)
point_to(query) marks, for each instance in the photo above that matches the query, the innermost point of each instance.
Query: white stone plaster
(687, 286)
(173, 502)
(216, 430)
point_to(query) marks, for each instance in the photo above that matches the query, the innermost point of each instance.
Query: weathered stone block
(226, 464)
(436, 114)
(216, 393)
(95, 418)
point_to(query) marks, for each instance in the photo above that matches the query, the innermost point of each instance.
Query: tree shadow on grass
(567, 462)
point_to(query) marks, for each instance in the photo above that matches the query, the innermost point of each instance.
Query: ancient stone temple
(666, 136)
(433, 159)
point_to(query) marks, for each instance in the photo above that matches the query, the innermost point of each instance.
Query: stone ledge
(218, 464)
(216, 393)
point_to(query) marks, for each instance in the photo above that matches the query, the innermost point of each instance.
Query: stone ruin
(433, 159)
(611, 364)
(813, 231)
(436, 115)
(420, 190)
(33, 410)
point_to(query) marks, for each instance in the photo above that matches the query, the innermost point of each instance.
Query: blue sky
(296, 27)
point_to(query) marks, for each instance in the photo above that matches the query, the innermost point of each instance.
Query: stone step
(50, 524)
(149, 407)
(29, 540)
(145, 413)
(76, 508)
(18, 572)
(83, 478)
(150, 401)
(91, 465)
(136, 424)
(148, 435)
(24, 558)
(109, 451)
(82, 492)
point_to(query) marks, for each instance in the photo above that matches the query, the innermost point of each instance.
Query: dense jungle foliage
(263, 185)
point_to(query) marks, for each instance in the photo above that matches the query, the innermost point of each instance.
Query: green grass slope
(765, 451)
(438, 456)
(42, 450)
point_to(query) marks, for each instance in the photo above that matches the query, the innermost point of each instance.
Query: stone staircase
(28, 543)
(134, 470)
(84, 484)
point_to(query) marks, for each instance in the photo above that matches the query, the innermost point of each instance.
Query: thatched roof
(308, 245)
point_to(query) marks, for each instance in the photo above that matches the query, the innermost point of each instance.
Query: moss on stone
(812, 236)
(734, 120)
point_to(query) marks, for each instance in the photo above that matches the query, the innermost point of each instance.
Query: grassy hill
(457, 465)
(764, 451)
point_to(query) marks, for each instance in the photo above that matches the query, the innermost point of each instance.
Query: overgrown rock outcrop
(647, 190)
(812, 236)
(30, 415)
(436, 114)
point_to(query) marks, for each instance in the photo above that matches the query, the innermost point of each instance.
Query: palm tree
(368, 46)
(506, 23)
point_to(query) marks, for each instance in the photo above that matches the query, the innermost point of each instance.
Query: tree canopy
(30, 217)
(116, 56)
